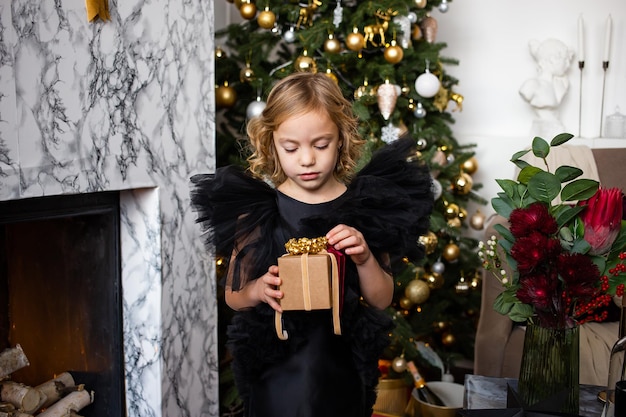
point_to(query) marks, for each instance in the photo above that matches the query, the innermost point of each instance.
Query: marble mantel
(125, 105)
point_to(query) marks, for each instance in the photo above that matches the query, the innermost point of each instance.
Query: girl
(299, 183)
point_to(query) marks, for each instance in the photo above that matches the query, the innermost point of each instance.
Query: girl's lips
(309, 176)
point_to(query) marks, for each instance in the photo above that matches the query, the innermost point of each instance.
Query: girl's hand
(351, 241)
(267, 288)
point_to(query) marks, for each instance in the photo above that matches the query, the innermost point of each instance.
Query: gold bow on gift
(302, 248)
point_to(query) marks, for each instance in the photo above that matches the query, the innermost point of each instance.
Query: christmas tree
(385, 57)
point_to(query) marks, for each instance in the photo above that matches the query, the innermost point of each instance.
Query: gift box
(312, 279)
(306, 282)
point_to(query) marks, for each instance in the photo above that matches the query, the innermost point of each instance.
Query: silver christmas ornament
(443, 6)
(255, 108)
(438, 267)
(290, 35)
(420, 111)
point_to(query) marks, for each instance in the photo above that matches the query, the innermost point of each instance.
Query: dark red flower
(534, 218)
(537, 290)
(579, 274)
(534, 250)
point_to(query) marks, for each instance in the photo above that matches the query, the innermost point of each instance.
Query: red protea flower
(579, 274)
(602, 219)
(534, 218)
(532, 251)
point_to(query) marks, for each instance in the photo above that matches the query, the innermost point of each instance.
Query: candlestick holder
(605, 67)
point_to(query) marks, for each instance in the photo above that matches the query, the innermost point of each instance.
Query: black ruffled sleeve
(389, 201)
(234, 211)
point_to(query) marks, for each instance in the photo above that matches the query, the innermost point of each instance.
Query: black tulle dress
(314, 372)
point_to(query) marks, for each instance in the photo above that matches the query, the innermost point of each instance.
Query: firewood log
(56, 388)
(11, 360)
(23, 397)
(74, 401)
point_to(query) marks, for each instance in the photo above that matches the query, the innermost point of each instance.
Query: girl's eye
(321, 147)
(290, 150)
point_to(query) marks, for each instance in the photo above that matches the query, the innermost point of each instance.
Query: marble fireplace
(125, 106)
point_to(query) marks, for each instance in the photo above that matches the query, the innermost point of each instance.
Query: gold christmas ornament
(429, 241)
(248, 10)
(451, 252)
(470, 166)
(387, 97)
(405, 303)
(225, 96)
(420, 4)
(305, 63)
(329, 73)
(451, 211)
(355, 41)
(448, 339)
(477, 221)
(416, 33)
(399, 364)
(220, 53)
(456, 222)
(393, 53)
(462, 213)
(332, 45)
(365, 93)
(417, 291)
(246, 74)
(434, 280)
(266, 19)
(429, 27)
(462, 184)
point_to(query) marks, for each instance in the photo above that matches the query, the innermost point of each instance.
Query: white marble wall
(125, 105)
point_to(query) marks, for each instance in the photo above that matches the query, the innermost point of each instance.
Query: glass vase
(549, 371)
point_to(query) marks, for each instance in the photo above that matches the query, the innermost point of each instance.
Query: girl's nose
(307, 158)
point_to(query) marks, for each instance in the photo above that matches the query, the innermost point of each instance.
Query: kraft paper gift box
(306, 282)
(310, 281)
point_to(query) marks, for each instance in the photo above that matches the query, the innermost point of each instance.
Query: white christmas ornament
(420, 111)
(427, 84)
(290, 35)
(255, 108)
(437, 189)
(387, 95)
(390, 133)
(443, 6)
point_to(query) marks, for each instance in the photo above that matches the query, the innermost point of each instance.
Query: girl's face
(307, 146)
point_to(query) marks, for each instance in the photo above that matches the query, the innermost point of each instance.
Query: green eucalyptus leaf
(527, 173)
(564, 214)
(560, 139)
(520, 312)
(502, 304)
(504, 232)
(580, 246)
(508, 186)
(566, 173)
(502, 207)
(544, 187)
(541, 148)
(581, 189)
(521, 164)
(519, 154)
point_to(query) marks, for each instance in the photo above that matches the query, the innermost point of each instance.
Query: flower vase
(549, 370)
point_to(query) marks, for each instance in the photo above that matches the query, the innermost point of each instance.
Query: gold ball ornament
(393, 53)
(429, 241)
(355, 41)
(451, 252)
(420, 4)
(330, 74)
(451, 211)
(225, 96)
(246, 74)
(416, 33)
(248, 10)
(220, 53)
(455, 223)
(305, 63)
(462, 213)
(405, 303)
(332, 45)
(462, 184)
(477, 221)
(399, 364)
(448, 339)
(470, 166)
(266, 19)
(417, 291)
(434, 280)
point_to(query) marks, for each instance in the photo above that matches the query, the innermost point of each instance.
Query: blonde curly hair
(294, 95)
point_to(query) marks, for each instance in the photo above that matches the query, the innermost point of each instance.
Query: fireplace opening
(60, 293)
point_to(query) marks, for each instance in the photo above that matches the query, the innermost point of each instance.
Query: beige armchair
(499, 341)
